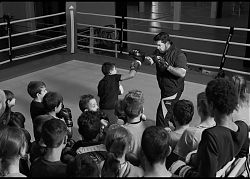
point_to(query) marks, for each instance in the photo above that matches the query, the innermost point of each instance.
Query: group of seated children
(117, 140)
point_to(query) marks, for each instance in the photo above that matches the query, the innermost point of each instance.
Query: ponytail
(111, 166)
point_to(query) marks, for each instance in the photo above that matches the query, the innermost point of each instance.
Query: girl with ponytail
(13, 147)
(243, 110)
(117, 143)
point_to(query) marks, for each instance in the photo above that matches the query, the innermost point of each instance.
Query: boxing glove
(65, 113)
(135, 65)
(162, 63)
(137, 55)
(148, 60)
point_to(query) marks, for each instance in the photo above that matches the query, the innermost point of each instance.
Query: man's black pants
(164, 112)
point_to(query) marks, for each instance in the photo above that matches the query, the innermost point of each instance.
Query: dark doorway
(121, 10)
(50, 7)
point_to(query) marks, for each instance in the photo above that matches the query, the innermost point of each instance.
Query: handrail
(47, 39)
(176, 36)
(94, 14)
(170, 22)
(92, 36)
(99, 38)
(108, 50)
(38, 30)
(4, 37)
(3, 62)
(191, 38)
(3, 23)
(35, 18)
(38, 42)
(41, 52)
(151, 33)
(187, 23)
(5, 49)
(98, 26)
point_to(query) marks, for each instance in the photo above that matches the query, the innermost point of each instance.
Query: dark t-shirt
(108, 91)
(44, 168)
(36, 109)
(95, 150)
(219, 145)
(170, 84)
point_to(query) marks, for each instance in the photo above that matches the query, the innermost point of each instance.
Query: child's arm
(135, 65)
(121, 89)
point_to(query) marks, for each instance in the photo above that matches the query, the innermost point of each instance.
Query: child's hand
(121, 89)
(104, 123)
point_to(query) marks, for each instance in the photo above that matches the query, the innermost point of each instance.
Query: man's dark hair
(54, 132)
(155, 144)
(84, 100)
(89, 124)
(163, 37)
(107, 67)
(35, 87)
(222, 94)
(52, 100)
(183, 111)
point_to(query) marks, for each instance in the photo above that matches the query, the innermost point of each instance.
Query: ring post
(71, 27)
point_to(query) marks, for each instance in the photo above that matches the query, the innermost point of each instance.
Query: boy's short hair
(183, 111)
(38, 124)
(155, 144)
(35, 87)
(222, 94)
(107, 67)
(52, 100)
(133, 103)
(84, 100)
(202, 103)
(54, 132)
(163, 37)
(89, 124)
(82, 166)
(9, 95)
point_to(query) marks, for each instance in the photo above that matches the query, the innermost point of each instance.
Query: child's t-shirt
(108, 91)
(44, 168)
(36, 109)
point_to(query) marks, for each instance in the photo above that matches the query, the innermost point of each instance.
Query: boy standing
(37, 90)
(109, 87)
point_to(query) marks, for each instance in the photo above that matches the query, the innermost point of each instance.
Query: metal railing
(32, 36)
(92, 37)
